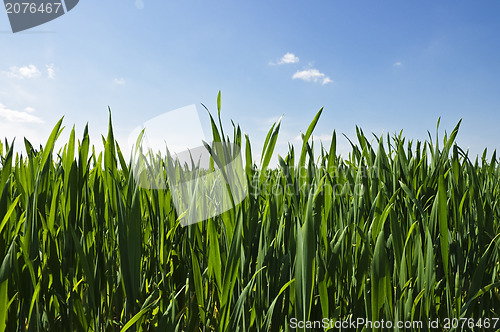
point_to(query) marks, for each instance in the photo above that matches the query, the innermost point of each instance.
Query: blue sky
(380, 65)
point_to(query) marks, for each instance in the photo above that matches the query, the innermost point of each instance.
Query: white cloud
(397, 64)
(326, 80)
(312, 75)
(288, 58)
(29, 109)
(119, 81)
(9, 115)
(50, 71)
(30, 71)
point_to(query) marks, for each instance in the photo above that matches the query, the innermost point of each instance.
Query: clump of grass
(400, 230)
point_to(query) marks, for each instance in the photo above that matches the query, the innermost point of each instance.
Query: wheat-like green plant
(399, 230)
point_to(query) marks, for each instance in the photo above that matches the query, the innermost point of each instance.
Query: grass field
(399, 230)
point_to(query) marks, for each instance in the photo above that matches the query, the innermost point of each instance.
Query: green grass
(398, 230)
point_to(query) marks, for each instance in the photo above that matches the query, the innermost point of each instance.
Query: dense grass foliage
(398, 230)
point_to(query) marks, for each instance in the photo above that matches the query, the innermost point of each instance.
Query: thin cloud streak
(14, 116)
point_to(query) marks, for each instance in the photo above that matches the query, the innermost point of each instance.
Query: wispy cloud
(119, 81)
(29, 71)
(286, 59)
(326, 80)
(312, 75)
(397, 64)
(9, 115)
(51, 73)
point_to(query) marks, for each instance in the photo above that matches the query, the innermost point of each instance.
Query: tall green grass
(398, 230)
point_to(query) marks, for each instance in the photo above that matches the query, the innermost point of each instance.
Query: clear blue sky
(381, 65)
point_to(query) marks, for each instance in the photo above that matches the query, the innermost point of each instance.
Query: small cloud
(30, 71)
(50, 71)
(312, 75)
(286, 59)
(29, 109)
(119, 81)
(397, 64)
(326, 80)
(9, 115)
